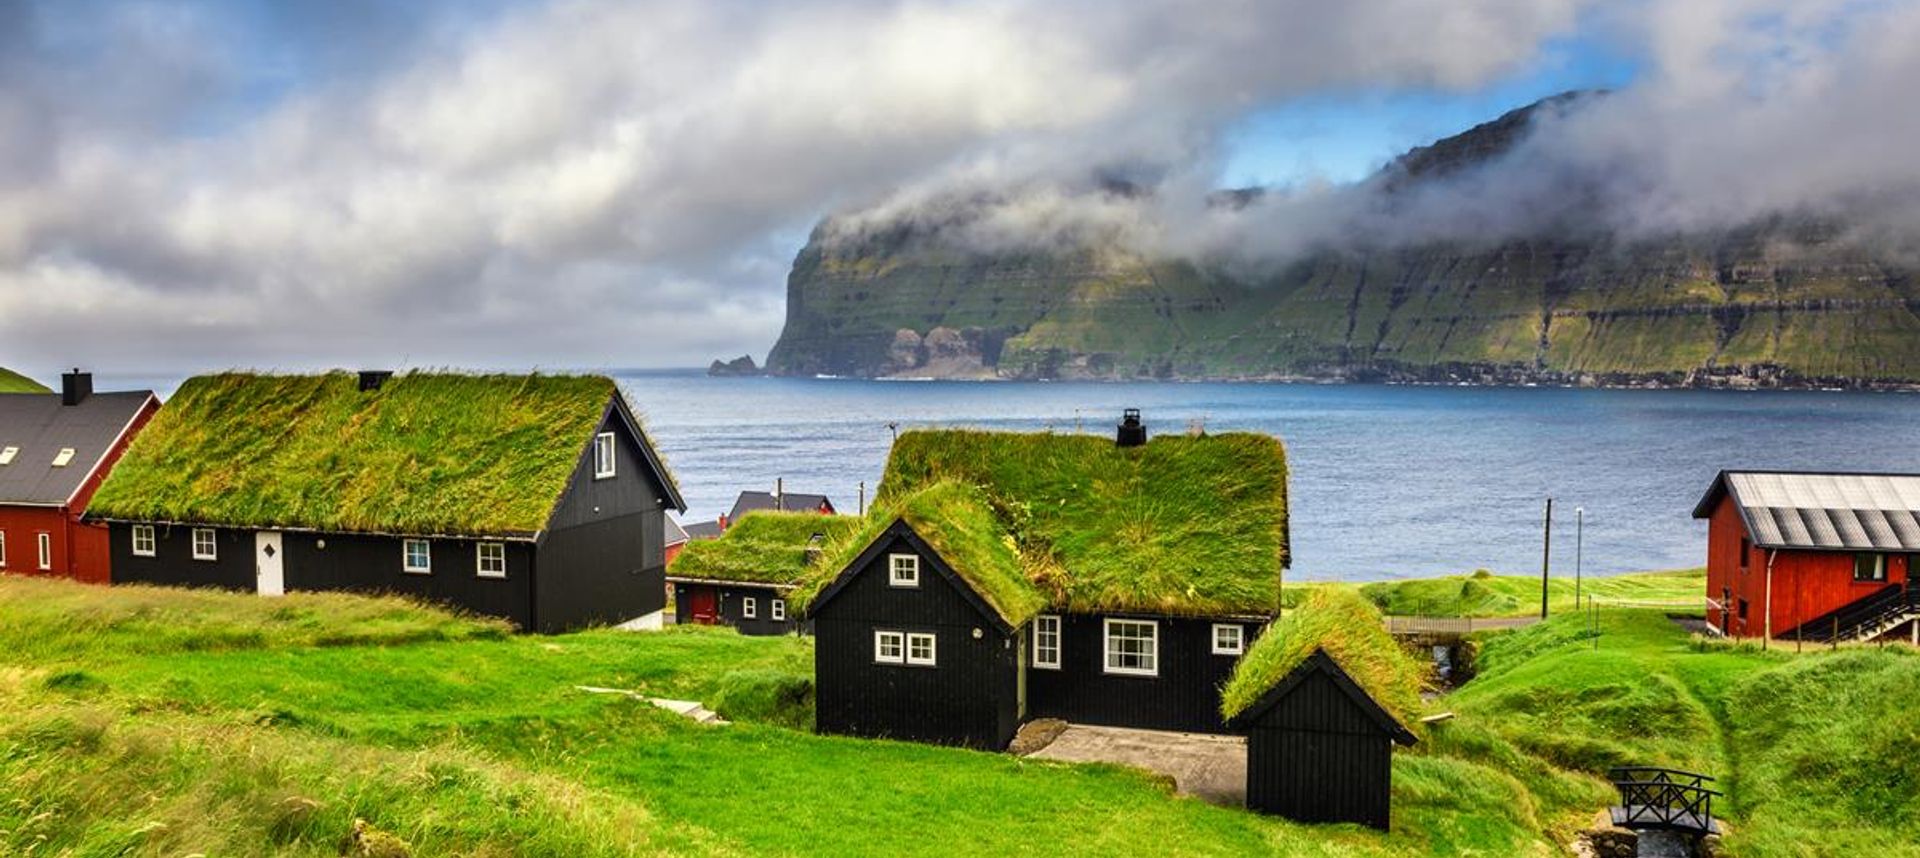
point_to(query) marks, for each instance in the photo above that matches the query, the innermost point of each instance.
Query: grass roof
(764, 547)
(13, 382)
(958, 520)
(1182, 525)
(1352, 631)
(425, 453)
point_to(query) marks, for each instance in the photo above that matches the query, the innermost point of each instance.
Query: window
(490, 559)
(46, 551)
(603, 463)
(749, 608)
(416, 555)
(1745, 548)
(1046, 642)
(920, 649)
(903, 570)
(1743, 610)
(1228, 639)
(204, 548)
(779, 609)
(143, 540)
(1869, 567)
(1133, 647)
(3, 549)
(63, 458)
(889, 647)
(7, 454)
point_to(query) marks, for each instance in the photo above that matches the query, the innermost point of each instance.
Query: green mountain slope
(13, 382)
(1774, 303)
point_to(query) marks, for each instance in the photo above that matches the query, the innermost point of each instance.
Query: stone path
(690, 709)
(1210, 768)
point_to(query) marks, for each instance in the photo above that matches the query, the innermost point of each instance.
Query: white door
(267, 565)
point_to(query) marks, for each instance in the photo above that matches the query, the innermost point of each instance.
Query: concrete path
(1210, 768)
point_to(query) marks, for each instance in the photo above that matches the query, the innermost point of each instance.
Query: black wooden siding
(1316, 756)
(173, 564)
(359, 563)
(603, 557)
(967, 699)
(727, 600)
(1184, 696)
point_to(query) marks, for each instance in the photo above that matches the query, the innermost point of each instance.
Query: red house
(54, 451)
(1812, 556)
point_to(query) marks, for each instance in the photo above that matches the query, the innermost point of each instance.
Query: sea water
(1388, 481)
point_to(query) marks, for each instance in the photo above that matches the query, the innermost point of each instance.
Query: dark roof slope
(39, 427)
(1822, 511)
(763, 548)
(1183, 525)
(769, 502)
(423, 453)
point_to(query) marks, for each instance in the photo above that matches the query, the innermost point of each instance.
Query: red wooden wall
(1806, 584)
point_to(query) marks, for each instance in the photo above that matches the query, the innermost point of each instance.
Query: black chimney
(1133, 433)
(371, 379)
(75, 387)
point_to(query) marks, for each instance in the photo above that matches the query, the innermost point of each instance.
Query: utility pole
(863, 498)
(1546, 556)
(1579, 543)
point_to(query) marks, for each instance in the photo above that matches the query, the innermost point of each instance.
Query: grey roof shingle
(40, 427)
(1832, 512)
(769, 502)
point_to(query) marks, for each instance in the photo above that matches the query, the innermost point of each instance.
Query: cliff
(1777, 302)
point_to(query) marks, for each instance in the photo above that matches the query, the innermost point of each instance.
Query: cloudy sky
(577, 183)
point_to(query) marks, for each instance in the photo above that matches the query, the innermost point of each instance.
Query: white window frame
(481, 552)
(1107, 652)
(911, 566)
(143, 533)
(63, 458)
(932, 641)
(406, 556)
(3, 549)
(212, 551)
(883, 641)
(605, 463)
(778, 610)
(1239, 645)
(45, 543)
(749, 608)
(1046, 624)
(7, 454)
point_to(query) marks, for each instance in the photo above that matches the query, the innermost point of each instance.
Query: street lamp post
(1579, 542)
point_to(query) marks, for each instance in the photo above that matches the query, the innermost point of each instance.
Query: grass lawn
(281, 722)
(1484, 594)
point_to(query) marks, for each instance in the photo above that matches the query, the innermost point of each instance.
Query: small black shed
(1320, 749)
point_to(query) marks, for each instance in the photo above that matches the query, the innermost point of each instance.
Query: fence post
(1836, 633)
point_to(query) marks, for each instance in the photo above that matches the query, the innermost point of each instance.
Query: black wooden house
(1320, 748)
(744, 577)
(533, 498)
(1008, 576)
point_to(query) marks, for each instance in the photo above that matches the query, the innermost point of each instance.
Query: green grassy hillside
(13, 382)
(260, 727)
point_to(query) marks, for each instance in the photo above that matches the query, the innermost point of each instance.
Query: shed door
(268, 564)
(701, 604)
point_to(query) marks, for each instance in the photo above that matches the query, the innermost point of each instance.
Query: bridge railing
(1654, 797)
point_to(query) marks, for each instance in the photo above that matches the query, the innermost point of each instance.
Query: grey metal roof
(769, 502)
(675, 533)
(41, 427)
(703, 530)
(1829, 511)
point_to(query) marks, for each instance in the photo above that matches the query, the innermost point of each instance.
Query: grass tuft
(764, 547)
(1352, 632)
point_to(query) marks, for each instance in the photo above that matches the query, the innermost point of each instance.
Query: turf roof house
(529, 497)
(1324, 697)
(1005, 577)
(55, 448)
(744, 577)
